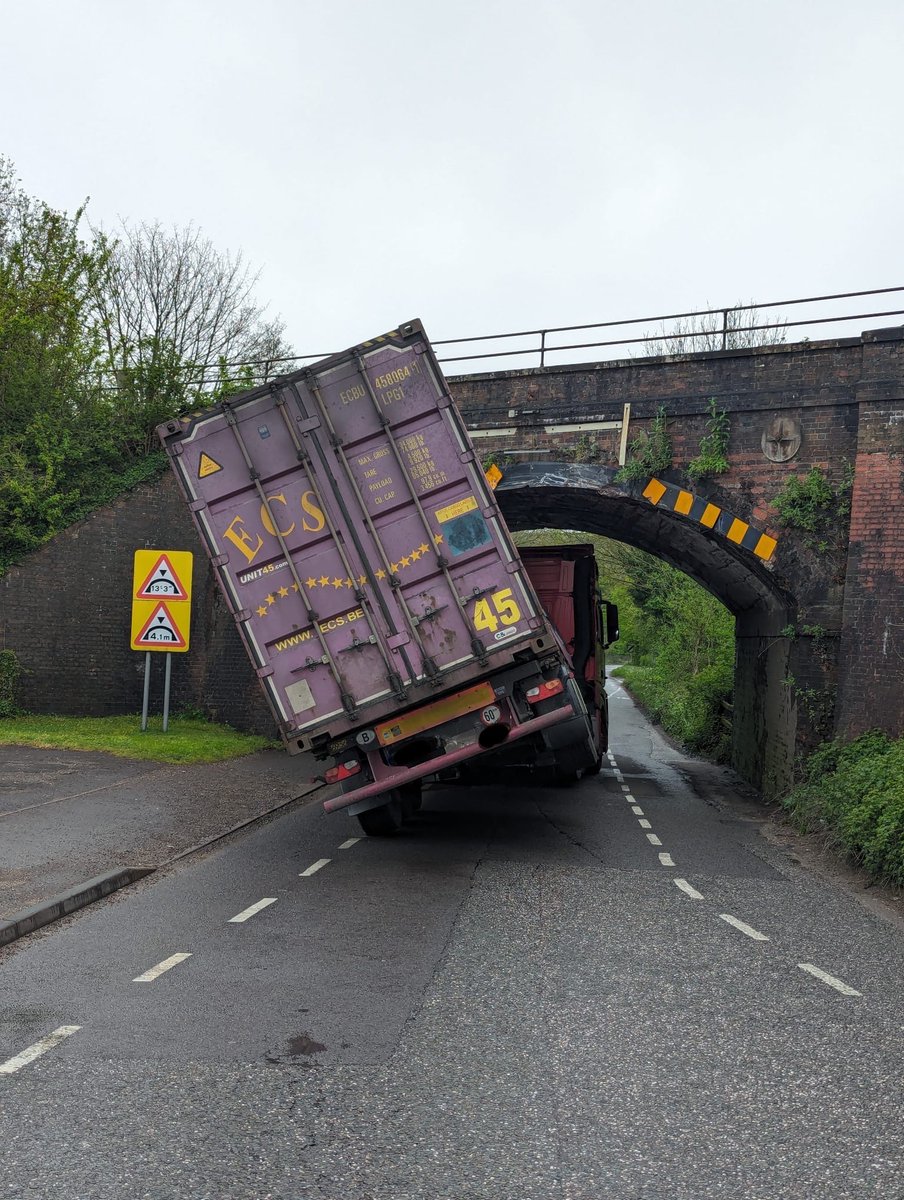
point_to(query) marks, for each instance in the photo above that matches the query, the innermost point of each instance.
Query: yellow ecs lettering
(266, 519)
(241, 539)
(314, 512)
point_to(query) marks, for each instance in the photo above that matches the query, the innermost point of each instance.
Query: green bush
(9, 674)
(681, 643)
(853, 794)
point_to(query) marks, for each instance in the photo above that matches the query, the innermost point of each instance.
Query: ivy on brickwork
(811, 505)
(650, 453)
(713, 456)
(9, 674)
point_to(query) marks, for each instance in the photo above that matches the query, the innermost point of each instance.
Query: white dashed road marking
(653, 839)
(687, 889)
(321, 862)
(644, 823)
(348, 845)
(751, 932)
(249, 912)
(167, 965)
(830, 980)
(666, 860)
(18, 1061)
(637, 810)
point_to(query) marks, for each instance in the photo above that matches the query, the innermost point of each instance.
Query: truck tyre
(596, 767)
(384, 820)
(410, 796)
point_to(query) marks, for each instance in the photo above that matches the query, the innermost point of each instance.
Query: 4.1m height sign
(161, 600)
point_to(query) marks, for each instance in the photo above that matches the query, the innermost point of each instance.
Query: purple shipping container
(355, 537)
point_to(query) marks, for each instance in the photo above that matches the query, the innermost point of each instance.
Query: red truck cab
(566, 580)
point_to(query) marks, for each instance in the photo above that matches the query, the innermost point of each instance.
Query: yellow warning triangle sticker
(161, 630)
(207, 466)
(162, 580)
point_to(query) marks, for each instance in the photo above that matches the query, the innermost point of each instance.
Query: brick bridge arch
(572, 496)
(820, 616)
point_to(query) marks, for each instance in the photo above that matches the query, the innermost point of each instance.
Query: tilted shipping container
(358, 545)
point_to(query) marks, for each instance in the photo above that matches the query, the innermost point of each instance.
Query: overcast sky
(485, 166)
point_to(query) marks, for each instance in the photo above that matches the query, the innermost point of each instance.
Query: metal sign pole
(147, 691)
(166, 687)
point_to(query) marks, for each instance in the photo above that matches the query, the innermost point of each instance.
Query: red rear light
(334, 774)
(551, 687)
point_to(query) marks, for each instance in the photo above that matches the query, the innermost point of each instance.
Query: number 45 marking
(506, 611)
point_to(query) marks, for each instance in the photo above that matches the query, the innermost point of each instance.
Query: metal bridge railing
(725, 328)
(675, 333)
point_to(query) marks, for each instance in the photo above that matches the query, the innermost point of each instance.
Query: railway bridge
(819, 611)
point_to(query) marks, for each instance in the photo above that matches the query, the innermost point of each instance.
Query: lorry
(393, 627)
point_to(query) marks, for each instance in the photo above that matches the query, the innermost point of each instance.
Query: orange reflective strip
(684, 503)
(765, 547)
(711, 514)
(736, 530)
(654, 491)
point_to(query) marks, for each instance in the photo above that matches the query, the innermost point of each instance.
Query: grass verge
(853, 795)
(188, 739)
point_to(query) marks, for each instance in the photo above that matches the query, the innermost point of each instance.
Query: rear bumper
(403, 775)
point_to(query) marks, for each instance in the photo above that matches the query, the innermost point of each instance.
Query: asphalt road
(532, 993)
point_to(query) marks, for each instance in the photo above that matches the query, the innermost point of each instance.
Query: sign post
(161, 613)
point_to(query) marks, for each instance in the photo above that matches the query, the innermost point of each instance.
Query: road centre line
(666, 860)
(644, 823)
(748, 929)
(30, 1053)
(167, 965)
(653, 839)
(625, 788)
(250, 911)
(831, 980)
(687, 889)
(348, 845)
(314, 867)
(637, 810)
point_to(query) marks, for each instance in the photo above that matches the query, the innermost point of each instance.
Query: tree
(718, 329)
(50, 403)
(176, 316)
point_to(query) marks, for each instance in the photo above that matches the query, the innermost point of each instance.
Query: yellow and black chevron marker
(710, 516)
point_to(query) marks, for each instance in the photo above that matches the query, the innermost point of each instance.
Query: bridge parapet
(834, 405)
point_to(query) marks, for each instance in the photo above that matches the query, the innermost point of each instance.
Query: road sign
(163, 579)
(158, 625)
(161, 600)
(164, 574)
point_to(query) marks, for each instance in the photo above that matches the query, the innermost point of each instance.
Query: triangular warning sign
(207, 466)
(160, 630)
(162, 580)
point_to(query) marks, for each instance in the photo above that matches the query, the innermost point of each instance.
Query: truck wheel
(410, 796)
(596, 767)
(384, 820)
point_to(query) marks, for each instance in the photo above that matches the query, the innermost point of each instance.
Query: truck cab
(566, 580)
